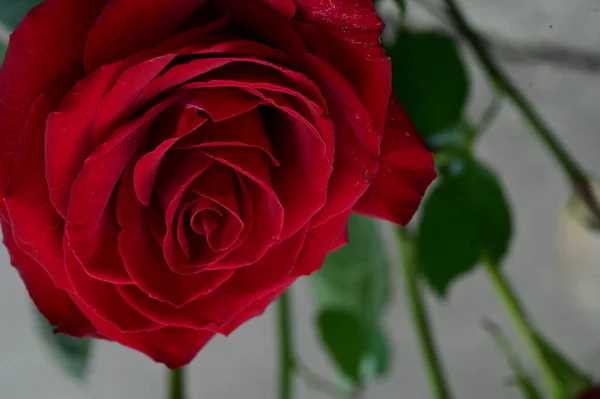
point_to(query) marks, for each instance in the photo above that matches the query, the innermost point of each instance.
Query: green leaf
(456, 137)
(2, 52)
(72, 354)
(465, 218)
(344, 337)
(401, 6)
(13, 11)
(377, 360)
(431, 80)
(356, 279)
(573, 380)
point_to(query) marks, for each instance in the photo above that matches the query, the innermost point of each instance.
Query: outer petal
(104, 300)
(39, 49)
(318, 244)
(36, 227)
(128, 26)
(175, 347)
(91, 226)
(67, 140)
(351, 29)
(357, 141)
(218, 308)
(287, 8)
(270, 27)
(405, 172)
(54, 303)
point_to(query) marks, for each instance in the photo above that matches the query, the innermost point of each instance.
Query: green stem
(420, 319)
(524, 328)
(286, 359)
(578, 179)
(314, 381)
(177, 383)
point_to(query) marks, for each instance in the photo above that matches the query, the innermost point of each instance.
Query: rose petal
(287, 8)
(240, 68)
(244, 130)
(267, 208)
(52, 302)
(257, 308)
(302, 179)
(215, 26)
(277, 32)
(178, 170)
(221, 306)
(301, 109)
(176, 175)
(117, 103)
(247, 207)
(217, 184)
(91, 227)
(352, 30)
(202, 216)
(258, 74)
(312, 38)
(123, 28)
(250, 162)
(144, 261)
(40, 40)
(36, 226)
(223, 103)
(67, 139)
(146, 169)
(175, 347)
(407, 168)
(104, 299)
(357, 141)
(195, 219)
(319, 243)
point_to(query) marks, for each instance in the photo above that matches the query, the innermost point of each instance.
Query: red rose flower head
(168, 168)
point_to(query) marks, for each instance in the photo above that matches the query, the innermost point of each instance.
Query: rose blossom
(169, 167)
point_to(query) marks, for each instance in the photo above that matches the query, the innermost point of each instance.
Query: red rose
(169, 167)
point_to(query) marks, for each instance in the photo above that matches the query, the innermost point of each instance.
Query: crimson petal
(244, 130)
(220, 307)
(123, 28)
(406, 170)
(104, 299)
(352, 31)
(357, 142)
(36, 226)
(40, 40)
(145, 263)
(118, 102)
(287, 8)
(68, 142)
(52, 302)
(147, 168)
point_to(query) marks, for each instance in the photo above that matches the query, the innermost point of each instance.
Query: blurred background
(551, 48)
